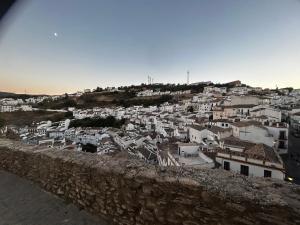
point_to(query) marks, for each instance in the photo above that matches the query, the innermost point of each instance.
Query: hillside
(6, 94)
(95, 99)
(19, 118)
(15, 96)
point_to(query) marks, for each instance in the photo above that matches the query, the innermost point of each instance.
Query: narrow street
(24, 203)
(292, 159)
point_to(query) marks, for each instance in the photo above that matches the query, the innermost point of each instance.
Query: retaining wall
(130, 192)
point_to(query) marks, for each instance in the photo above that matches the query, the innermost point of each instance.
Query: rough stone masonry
(127, 191)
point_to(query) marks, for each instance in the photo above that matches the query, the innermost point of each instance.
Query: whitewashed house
(253, 131)
(280, 132)
(250, 159)
(130, 126)
(208, 135)
(273, 115)
(244, 100)
(183, 154)
(8, 108)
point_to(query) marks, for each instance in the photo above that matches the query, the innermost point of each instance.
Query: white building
(183, 154)
(254, 132)
(8, 108)
(244, 100)
(210, 89)
(208, 135)
(26, 108)
(295, 92)
(250, 159)
(280, 132)
(228, 111)
(240, 90)
(273, 115)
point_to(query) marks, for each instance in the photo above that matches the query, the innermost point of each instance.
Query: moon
(55, 34)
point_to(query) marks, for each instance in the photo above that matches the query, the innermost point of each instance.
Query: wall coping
(225, 184)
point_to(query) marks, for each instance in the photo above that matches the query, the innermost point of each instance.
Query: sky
(59, 46)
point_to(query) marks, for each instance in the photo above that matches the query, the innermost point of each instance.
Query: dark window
(281, 144)
(267, 173)
(245, 170)
(226, 165)
(282, 135)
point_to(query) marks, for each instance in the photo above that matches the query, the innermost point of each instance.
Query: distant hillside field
(15, 96)
(20, 118)
(90, 100)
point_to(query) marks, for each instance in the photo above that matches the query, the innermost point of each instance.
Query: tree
(98, 89)
(12, 135)
(109, 121)
(1, 122)
(89, 148)
(66, 96)
(190, 109)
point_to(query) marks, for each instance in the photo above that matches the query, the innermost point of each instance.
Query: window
(245, 170)
(281, 144)
(226, 165)
(267, 173)
(282, 135)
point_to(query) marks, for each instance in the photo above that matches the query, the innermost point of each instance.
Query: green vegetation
(98, 89)
(109, 121)
(190, 109)
(10, 134)
(89, 148)
(229, 85)
(16, 96)
(95, 99)
(61, 103)
(158, 100)
(126, 97)
(195, 88)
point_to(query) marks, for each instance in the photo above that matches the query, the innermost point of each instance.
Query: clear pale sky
(121, 42)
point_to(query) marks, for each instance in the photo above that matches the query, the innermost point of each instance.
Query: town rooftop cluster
(237, 128)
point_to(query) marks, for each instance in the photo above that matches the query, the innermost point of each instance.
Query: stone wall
(130, 192)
